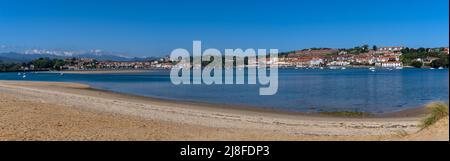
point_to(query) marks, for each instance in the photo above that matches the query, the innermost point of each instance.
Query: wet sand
(70, 111)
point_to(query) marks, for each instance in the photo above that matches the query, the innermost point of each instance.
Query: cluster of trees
(39, 64)
(360, 49)
(46, 63)
(9, 66)
(416, 57)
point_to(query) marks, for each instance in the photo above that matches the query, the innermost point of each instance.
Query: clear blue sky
(155, 28)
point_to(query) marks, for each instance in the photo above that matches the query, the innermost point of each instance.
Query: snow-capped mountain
(24, 55)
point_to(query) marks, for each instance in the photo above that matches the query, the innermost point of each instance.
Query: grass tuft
(438, 110)
(401, 133)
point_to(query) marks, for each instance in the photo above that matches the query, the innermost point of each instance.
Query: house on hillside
(390, 49)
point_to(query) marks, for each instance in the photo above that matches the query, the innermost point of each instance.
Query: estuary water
(300, 90)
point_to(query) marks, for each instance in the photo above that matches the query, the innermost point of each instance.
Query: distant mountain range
(28, 55)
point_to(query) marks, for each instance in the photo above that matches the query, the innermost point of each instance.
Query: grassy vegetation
(346, 114)
(438, 110)
(401, 133)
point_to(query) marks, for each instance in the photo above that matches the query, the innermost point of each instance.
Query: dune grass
(438, 110)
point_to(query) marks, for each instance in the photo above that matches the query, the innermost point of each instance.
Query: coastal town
(386, 57)
(361, 56)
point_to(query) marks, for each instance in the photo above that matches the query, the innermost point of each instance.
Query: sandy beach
(71, 111)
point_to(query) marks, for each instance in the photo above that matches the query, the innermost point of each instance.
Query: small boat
(19, 73)
(432, 68)
(333, 67)
(441, 68)
(343, 68)
(398, 67)
(321, 68)
(372, 68)
(24, 76)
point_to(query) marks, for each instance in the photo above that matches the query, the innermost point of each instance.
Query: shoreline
(409, 112)
(102, 71)
(249, 124)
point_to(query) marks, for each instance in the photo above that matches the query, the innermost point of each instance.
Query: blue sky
(155, 28)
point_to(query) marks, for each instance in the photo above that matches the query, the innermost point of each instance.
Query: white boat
(19, 73)
(321, 68)
(333, 67)
(372, 68)
(398, 67)
(441, 68)
(24, 76)
(432, 68)
(343, 68)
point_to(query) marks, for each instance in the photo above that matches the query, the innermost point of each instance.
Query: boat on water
(321, 68)
(19, 73)
(398, 67)
(333, 67)
(343, 68)
(24, 76)
(441, 68)
(372, 68)
(432, 68)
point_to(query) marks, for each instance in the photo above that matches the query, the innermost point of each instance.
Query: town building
(391, 64)
(390, 48)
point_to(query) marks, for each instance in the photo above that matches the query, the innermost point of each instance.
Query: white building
(339, 63)
(316, 62)
(391, 64)
(390, 48)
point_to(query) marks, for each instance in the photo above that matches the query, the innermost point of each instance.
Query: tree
(365, 48)
(375, 48)
(8, 66)
(411, 55)
(58, 63)
(46, 63)
(42, 63)
(441, 62)
(417, 64)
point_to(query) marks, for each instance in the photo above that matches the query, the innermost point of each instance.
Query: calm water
(306, 90)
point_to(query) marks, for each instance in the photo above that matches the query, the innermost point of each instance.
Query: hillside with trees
(424, 57)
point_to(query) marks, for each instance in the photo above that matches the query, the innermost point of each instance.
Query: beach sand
(71, 111)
